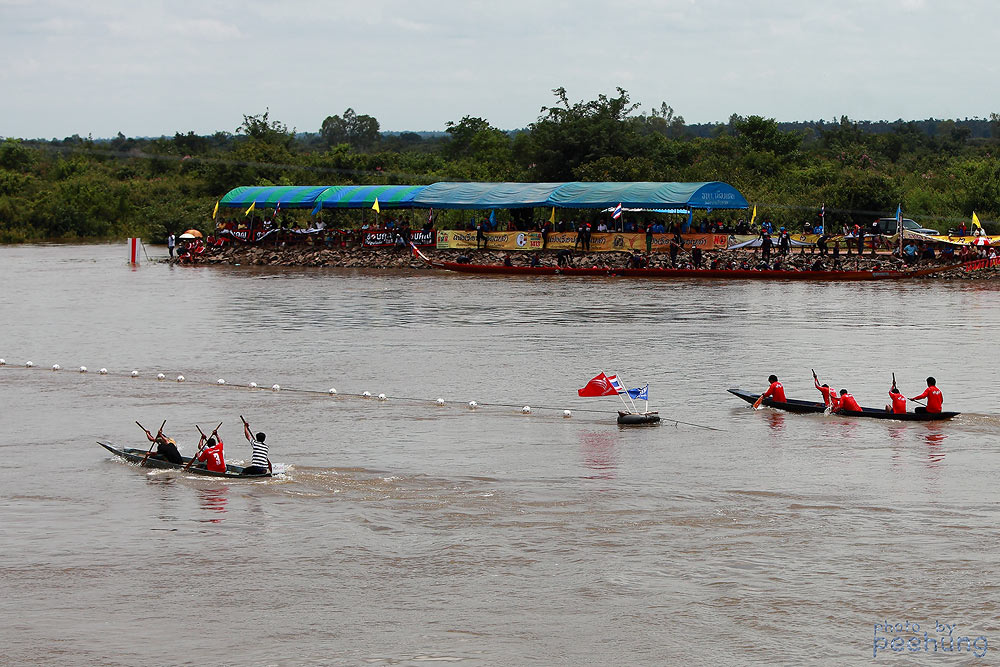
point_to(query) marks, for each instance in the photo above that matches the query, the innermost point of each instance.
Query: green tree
(359, 131)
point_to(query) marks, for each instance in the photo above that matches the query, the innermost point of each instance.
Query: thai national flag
(616, 384)
(617, 212)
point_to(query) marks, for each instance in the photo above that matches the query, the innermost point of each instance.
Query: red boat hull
(731, 274)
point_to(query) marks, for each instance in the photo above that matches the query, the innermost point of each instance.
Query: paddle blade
(756, 404)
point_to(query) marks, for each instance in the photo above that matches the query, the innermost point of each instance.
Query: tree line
(85, 188)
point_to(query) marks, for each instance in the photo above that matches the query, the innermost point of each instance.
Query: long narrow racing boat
(793, 405)
(137, 455)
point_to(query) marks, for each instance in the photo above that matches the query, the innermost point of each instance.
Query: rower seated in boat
(898, 404)
(933, 395)
(166, 448)
(212, 455)
(848, 402)
(260, 464)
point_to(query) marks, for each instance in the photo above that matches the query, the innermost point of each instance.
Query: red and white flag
(602, 385)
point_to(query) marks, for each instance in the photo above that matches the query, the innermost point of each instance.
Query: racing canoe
(792, 405)
(137, 455)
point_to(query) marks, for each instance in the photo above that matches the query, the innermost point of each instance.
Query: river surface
(403, 532)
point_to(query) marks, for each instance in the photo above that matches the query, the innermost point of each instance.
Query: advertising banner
(455, 238)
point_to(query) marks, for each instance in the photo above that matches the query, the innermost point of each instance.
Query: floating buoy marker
(366, 394)
(275, 387)
(333, 391)
(473, 405)
(180, 378)
(252, 385)
(382, 397)
(567, 413)
(220, 381)
(440, 401)
(526, 410)
(29, 364)
(56, 367)
(135, 374)
(83, 369)
(103, 371)
(3, 362)
(160, 376)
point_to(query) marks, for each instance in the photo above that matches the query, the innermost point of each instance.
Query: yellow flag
(215, 211)
(754, 216)
(252, 206)
(375, 206)
(975, 221)
(552, 218)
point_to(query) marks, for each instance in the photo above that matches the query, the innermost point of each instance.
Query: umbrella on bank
(193, 232)
(186, 236)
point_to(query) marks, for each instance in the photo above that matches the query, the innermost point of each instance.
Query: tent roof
(363, 196)
(289, 196)
(487, 195)
(708, 195)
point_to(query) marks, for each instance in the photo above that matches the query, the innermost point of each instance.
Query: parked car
(888, 227)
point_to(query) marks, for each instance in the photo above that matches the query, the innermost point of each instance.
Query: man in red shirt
(212, 456)
(775, 392)
(933, 396)
(898, 405)
(829, 395)
(847, 402)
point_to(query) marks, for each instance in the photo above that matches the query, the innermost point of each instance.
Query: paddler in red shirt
(775, 392)
(898, 405)
(847, 402)
(212, 455)
(829, 395)
(933, 396)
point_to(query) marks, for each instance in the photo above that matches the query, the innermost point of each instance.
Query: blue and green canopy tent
(481, 196)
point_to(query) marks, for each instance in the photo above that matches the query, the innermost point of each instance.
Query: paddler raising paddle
(898, 405)
(829, 395)
(775, 392)
(260, 464)
(166, 448)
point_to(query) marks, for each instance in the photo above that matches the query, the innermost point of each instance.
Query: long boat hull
(793, 405)
(731, 274)
(137, 455)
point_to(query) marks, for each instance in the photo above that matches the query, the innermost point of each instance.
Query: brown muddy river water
(403, 532)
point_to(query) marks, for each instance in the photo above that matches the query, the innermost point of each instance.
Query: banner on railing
(387, 238)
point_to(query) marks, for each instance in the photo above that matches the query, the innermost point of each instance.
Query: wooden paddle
(152, 440)
(756, 404)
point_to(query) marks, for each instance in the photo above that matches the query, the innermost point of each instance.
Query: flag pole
(627, 394)
(616, 391)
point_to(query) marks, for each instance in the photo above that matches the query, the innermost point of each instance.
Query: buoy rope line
(332, 392)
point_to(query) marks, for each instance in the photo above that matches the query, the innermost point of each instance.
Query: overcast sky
(148, 67)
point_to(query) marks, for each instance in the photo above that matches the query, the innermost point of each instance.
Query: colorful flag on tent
(617, 213)
(975, 221)
(277, 208)
(600, 385)
(493, 224)
(253, 205)
(822, 212)
(754, 216)
(552, 218)
(215, 211)
(430, 216)
(641, 393)
(899, 217)
(375, 206)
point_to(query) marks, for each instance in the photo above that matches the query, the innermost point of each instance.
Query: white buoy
(180, 378)
(473, 405)
(160, 376)
(382, 397)
(103, 371)
(366, 394)
(220, 381)
(29, 364)
(526, 410)
(135, 374)
(275, 387)
(333, 391)
(83, 369)
(56, 367)
(252, 385)
(3, 362)
(567, 413)
(440, 401)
